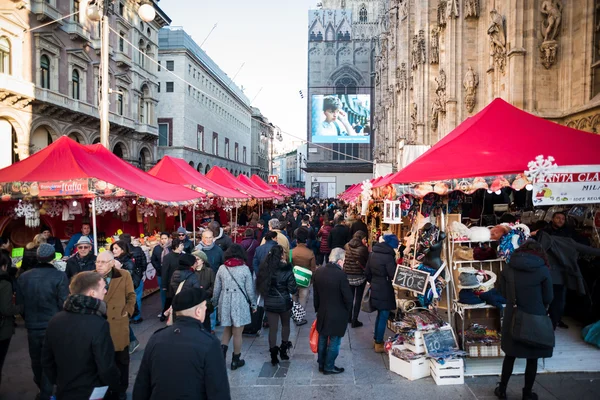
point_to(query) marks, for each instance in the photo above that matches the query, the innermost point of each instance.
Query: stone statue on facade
(441, 13)
(470, 84)
(439, 102)
(471, 8)
(401, 78)
(414, 52)
(403, 7)
(452, 11)
(413, 122)
(422, 47)
(497, 37)
(434, 45)
(551, 17)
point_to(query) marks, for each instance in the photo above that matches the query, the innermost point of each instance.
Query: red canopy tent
(67, 160)
(177, 170)
(225, 178)
(499, 140)
(245, 180)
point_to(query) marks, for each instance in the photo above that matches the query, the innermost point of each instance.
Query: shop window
(75, 82)
(4, 56)
(45, 72)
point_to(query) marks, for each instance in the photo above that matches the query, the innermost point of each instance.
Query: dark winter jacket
(182, 361)
(533, 289)
(170, 265)
(332, 300)
(357, 255)
(188, 245)
(358, 226)
(206, 276)
(562, 255)
(29, 259)
(261, 254)
(223, 241)
(214, 255)
(180, 275)
(7, 309)
(380, 272)
(76, 264)
(58, 246)
(140, 263)
(156, 259)
(42, 291)
(77, 363)
(128, 265)
(339, 236)
(283, 285)
(250, 245)
(323, 234)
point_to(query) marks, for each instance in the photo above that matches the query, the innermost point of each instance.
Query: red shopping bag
(314, 337)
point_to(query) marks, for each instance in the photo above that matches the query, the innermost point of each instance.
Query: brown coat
(281, 240)
(302, 256)
(120, 304)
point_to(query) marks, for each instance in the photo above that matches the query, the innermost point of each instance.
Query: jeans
(213, 319)
(35, 337)
(328, 352)
(357, 295)
(380, 325)
(131, 335)
(139, 292)
(163, 293)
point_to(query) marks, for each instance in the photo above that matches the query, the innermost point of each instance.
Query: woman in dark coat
(276, 283)
(250, 245)
(7, 309)
(185, 273)
(533, 291)
(380, 271)
(357, 255)
(323, 234)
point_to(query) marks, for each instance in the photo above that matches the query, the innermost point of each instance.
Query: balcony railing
(76, 31)
(45, 11)
(123, 60)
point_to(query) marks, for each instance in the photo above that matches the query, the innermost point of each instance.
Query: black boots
(224, 349)
(274, 351)
(500, 391)
(529, 395)
(283, 350)
(236, 362)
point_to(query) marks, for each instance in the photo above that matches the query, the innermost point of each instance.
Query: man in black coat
(42, 290)
(54, 241)
(359, 225)
(83, 260)
(77, 364)
(221, 238)
(339, 235)
(333, 304)
(140, 266)
(183, 360)
(157, 260)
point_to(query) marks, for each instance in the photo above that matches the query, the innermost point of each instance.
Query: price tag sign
(439, 341)
(119, 232)
(411, 279)
(18, 252)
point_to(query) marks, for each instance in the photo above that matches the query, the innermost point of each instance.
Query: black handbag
(530, 329)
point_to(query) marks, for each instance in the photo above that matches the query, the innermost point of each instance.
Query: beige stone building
(441, 61)
(49, 69)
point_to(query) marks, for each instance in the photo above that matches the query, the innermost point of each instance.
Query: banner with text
(569, 185)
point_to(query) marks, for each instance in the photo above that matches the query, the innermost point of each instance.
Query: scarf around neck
(81, 304)
(204, 247)
(234, 262)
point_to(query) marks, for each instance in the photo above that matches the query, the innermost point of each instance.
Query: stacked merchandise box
(414, 369)
(451, 372)
(418, 345)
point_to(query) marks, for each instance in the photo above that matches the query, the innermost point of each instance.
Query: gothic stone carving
(439, 103)
(422, 47)
(472, 9)
(497, 40)
(414, 52)
(551, 17)
(452, 9)
(470, 84)
(434, 46)
(413, 122)
(403, 6)
(441, 13)
(401, 78)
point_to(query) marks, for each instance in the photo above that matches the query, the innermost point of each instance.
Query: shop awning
(67, 168)
(500, 140)
(225, 178)
(178, 171)
(246, 181)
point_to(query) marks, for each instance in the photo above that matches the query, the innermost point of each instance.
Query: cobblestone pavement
(366, 377)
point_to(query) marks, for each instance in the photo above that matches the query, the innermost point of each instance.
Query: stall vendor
(86, 230)
(54, 241)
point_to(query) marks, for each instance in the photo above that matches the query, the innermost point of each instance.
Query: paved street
(366, 376)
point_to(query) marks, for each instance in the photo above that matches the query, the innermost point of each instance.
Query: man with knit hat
(183, 353)
(42, 291)
(188, 246)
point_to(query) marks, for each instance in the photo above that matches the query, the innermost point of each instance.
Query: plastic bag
(314, 337)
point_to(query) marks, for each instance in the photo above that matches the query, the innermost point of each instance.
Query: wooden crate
(452, 372)
(484, 350)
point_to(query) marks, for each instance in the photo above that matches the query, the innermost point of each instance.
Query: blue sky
(270, 37)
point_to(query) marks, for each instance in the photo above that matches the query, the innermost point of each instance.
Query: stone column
(516, 54)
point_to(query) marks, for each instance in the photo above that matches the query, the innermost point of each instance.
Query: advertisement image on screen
(341, 118)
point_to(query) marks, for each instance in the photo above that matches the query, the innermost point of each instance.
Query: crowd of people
(217, 281)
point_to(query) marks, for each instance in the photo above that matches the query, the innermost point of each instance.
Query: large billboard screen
(341, 118)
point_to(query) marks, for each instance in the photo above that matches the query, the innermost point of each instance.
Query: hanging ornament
(117, 206)
(53, 208)
(29, 211)
(541, 170)
(147, 210)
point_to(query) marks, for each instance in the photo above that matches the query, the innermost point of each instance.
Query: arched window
(191, 164)
(45, 72)
(75, 81)
(362, 14)
(199, 167)
(4, 55)
(142, 48)
(118, 150)
(207, 168)
(145, 106)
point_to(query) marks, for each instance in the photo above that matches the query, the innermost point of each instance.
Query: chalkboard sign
(440, 340)
(411, 279)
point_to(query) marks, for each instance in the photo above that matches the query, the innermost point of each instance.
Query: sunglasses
(182, 234)
(84, 247)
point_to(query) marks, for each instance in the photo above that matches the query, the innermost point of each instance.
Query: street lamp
(98, 11)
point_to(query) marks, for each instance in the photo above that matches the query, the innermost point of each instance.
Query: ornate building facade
(442, 61)
(342, 41)
(49, 74)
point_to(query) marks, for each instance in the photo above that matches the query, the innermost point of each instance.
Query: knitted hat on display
(45, 253)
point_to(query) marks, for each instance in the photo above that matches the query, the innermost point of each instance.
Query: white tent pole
(236, 224)
(94, 226)
(180, 217)
(194, 223)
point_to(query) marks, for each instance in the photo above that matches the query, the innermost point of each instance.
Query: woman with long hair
(276, 283)
(533, 291)
(234, 294)
(30, 253)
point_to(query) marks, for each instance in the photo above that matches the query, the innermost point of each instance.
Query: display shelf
(478, 261)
